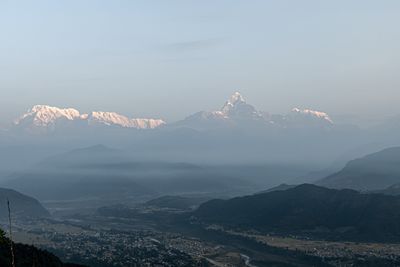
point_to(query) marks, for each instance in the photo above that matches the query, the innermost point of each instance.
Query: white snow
(313, 113)
(235, 108)
(43, 116)
(234, 100)
(112, 118)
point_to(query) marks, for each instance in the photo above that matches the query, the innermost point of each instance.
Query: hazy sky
(170, 58)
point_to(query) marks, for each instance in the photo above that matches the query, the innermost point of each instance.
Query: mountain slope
(313, 210)
(373, 172)
(21, 205)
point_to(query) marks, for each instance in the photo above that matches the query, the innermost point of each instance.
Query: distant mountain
(115, 119)
(237, 132)
(376, 171)
(43, 118)
(21, 205)
(310, 210)
(85, 157)
(237, 112)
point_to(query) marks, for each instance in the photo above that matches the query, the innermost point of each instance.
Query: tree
(3, 238)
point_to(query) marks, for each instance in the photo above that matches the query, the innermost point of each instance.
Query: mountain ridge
(375, 171)
(234, 112)
(21, 205)
(45, 116)
(237, 111)
(309, 210)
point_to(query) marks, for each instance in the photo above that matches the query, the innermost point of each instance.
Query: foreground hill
(310, 210)
(26, 255)
(373, 172)
(21, 205)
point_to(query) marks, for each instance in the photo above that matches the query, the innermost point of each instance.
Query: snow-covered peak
(312, 113)
(47, 118)
(109, 118)
(112, 118)
(235, 111)
(234, 100)
(43, 115)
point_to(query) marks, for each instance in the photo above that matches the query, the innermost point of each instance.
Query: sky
(170, 58)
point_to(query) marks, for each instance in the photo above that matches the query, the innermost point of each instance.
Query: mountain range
(235, 112)
(45, 118)
(237, 132)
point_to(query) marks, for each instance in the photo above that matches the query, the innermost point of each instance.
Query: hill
(21, 205)
(310, 210)
(373, 172)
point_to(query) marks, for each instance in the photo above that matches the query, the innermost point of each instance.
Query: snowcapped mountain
(236, 131)
(43, 116)
(112, 118)
(236, 107)
(46, 118)
(237, 112)
(311, 114)
(234, 110)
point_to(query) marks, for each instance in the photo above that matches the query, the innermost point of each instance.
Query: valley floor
(149, 237)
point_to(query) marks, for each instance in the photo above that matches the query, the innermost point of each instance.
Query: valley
(199, 133)
(151, 233)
